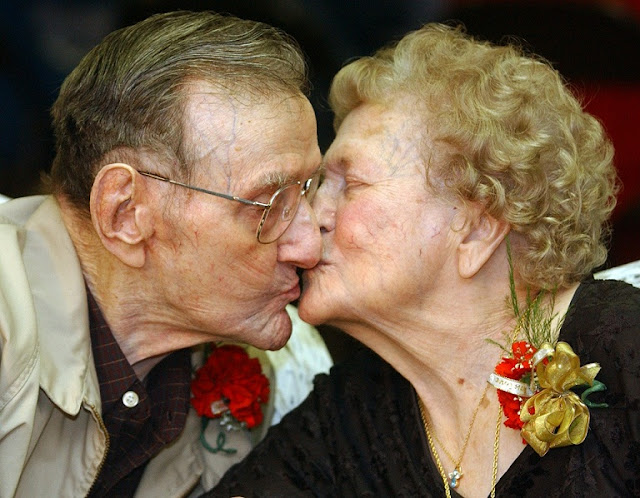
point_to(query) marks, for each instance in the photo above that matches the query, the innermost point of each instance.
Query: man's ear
(120, 213)
(483, 234)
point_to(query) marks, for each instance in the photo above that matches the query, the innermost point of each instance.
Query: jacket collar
(67, 374)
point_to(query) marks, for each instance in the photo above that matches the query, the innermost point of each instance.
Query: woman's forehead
(376, 135)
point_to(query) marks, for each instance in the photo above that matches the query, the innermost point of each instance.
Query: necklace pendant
(454, 478)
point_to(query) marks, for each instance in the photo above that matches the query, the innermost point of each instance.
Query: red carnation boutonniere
(229, 386)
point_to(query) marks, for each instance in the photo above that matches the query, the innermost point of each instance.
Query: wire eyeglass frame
(278, 227)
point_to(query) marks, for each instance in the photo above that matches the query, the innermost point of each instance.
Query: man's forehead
(246, 141)
(210, 120)
(206, 100)
(215, 113)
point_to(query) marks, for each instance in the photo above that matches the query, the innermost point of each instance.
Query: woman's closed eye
(354, 185)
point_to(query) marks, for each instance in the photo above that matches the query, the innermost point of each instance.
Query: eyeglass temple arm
(217, 194)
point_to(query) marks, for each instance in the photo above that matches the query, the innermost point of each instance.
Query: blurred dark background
(595, 44)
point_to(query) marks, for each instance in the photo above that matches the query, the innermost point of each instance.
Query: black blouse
(359, 433)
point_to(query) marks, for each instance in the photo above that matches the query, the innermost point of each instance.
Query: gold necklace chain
(496, 441)
(432, 446)
(456, 474)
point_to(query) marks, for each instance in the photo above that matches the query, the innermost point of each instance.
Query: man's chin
(276, 333)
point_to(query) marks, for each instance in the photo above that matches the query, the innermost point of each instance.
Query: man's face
(215, 279)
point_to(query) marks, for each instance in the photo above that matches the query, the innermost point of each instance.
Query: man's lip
(294, 290)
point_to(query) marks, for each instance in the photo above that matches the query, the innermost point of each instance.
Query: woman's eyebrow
(341, 163)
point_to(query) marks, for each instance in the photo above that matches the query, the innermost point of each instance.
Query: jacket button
(130, 399)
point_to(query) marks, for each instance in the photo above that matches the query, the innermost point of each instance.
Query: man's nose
(301, 244)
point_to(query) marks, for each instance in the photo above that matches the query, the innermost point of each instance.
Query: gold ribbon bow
(555, 416)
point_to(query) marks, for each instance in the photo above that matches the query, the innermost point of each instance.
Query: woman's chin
(322, 298)
(311, 307)
(305, 307)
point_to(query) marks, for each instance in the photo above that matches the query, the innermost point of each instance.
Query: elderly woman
(464, 207)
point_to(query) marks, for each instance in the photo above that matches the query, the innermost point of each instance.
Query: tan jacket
(52, 438)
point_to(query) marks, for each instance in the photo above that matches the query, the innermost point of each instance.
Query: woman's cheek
(362, 225)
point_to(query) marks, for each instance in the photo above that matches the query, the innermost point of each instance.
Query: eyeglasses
(278, 212)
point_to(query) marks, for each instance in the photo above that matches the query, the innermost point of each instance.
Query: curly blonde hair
(514, 139)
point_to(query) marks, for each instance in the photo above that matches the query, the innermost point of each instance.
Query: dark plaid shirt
(139, 431)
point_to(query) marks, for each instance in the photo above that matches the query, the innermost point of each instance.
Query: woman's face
(387, 239)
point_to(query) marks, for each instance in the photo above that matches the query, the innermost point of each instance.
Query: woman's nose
(324, 209)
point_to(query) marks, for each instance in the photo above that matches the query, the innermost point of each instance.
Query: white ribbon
(510, 385)
(541, 355)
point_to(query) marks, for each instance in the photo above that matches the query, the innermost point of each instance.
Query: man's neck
(119, 292)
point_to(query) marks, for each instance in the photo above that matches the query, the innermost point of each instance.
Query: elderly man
(186, 157)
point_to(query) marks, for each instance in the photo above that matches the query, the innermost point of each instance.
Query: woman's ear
(484, 234)
(120, 213)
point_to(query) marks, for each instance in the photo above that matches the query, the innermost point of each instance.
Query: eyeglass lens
(284, 205)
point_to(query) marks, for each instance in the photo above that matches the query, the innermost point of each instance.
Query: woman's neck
(442, 351)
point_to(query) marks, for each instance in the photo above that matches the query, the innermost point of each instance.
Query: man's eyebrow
(275, 179)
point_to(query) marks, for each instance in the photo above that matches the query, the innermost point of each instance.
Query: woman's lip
(309, 274)
(318, 266)
(322, 262)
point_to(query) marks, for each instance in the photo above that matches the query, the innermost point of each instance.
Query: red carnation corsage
(513, 380)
